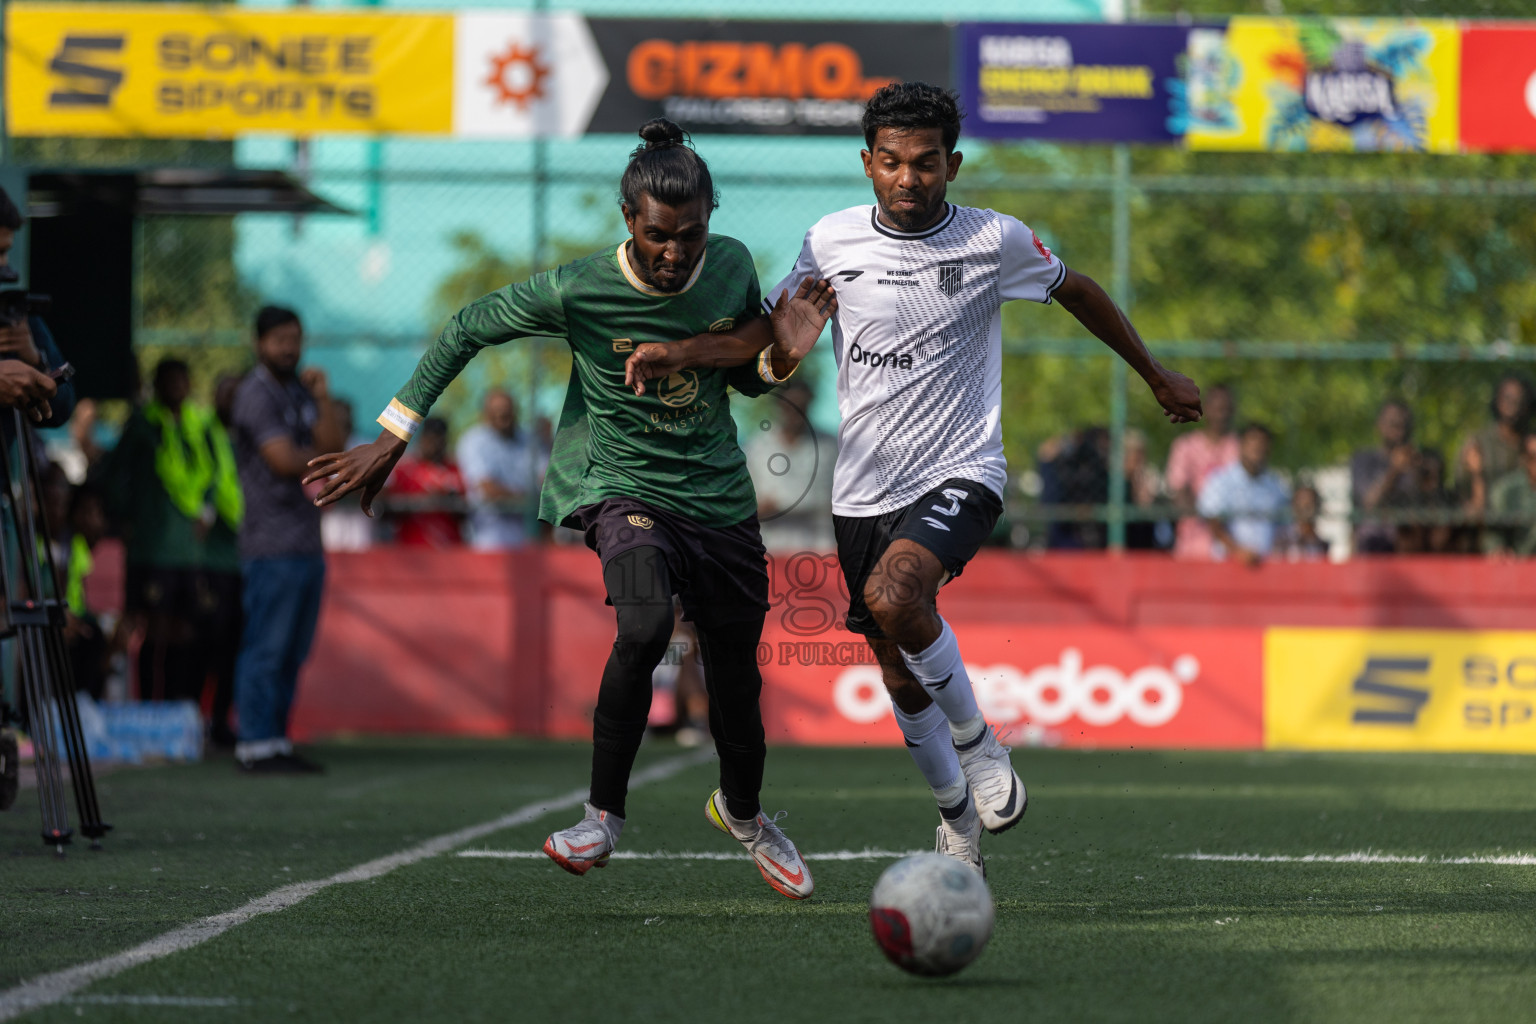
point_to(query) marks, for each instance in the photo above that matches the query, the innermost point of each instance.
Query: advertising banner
(524, 75)
(1359, 689)
(775, 77)
(1325, 84)
(1070, 686)
(202, 72)
(1498, 88)
(1110, 83)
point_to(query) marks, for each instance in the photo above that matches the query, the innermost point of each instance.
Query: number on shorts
(955, 496)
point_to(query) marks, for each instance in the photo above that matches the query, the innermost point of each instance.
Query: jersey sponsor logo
(623, 344)
(849, 275)
(879, 360)
(722, 325)
(643, 522)
(951, 274)
(678, 389)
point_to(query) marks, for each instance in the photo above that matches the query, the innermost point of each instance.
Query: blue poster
(1092, 83)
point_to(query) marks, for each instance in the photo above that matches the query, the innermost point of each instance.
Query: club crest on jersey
(722, 325)
(643, 522)
(951, 273)
(678, 389)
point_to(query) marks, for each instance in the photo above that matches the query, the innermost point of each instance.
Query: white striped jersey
(918, 343)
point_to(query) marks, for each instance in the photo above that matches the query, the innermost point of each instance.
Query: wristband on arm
(765, 368)
(400, 421)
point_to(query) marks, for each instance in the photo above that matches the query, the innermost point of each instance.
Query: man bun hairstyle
(666, 168)
(911, 106)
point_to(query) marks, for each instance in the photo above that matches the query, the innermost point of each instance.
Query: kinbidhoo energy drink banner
(1325, 84)
(1054, 81)
(166, 71)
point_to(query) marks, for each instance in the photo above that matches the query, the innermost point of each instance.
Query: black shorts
(720, 573)
(952, 521)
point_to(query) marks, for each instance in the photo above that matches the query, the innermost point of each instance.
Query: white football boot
(961, 839)
(586, 844)
(772, 851)
(996, 788)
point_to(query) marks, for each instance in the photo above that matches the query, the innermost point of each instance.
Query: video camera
(16, 304)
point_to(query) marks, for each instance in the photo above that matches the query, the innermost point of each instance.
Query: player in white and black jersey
(920, 471)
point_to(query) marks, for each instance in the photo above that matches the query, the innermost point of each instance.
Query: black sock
(641, 592)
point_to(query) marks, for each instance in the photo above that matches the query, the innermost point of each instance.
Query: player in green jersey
(656, 482)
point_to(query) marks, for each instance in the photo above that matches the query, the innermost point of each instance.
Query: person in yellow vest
(170, 483)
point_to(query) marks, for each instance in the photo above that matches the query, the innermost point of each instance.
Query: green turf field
(1098, 917)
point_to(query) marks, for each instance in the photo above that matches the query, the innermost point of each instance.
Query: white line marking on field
(1361, 857)
(52, 988)
(190, 1001)
(690, 855)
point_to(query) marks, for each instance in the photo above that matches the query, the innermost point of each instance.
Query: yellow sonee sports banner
(1358, 689)
(218, 72)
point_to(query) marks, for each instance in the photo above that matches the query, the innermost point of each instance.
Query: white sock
(929, 743)
(943, 675)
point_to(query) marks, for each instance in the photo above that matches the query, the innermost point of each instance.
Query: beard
(662, 283)
(911, 218)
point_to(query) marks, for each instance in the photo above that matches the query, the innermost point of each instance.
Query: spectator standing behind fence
(1495, 450)
(426, 477)
(281, 422)
(1430, 496)
(167, 488)
(1384, 477)
(1074, 471)
(1298, 540)
(1241, 502)
(1192, 459)
(1512, 499)
(500, 466)
(1143, 488)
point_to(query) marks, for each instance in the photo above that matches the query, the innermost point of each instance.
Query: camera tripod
(34, 616)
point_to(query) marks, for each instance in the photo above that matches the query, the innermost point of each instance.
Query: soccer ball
(931, 914)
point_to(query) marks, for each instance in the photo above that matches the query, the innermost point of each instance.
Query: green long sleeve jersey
(675, 446)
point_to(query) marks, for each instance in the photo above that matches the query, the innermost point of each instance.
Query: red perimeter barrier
(1076, 649)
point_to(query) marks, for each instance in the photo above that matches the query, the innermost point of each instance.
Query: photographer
(27, 350)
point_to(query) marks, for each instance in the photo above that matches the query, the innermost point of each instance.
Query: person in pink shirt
(1192, 459)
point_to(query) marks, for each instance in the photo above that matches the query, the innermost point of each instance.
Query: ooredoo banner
(1071, 686)
(1090, 82)
(1498, 88)
(1399, 689)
